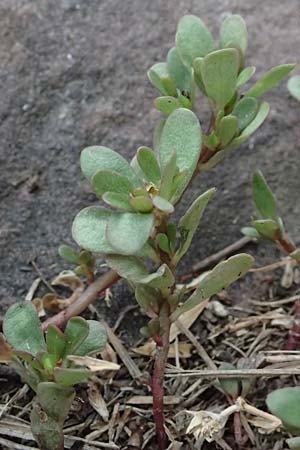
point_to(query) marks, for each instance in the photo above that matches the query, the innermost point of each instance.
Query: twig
(272, 266)
(276, 303)
(235, 373)
(87, 297)
(210, 260)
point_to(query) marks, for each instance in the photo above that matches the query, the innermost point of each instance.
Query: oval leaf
(55, 400)
(181, 133)
(167, 104)
(76, 331)
(117, 200)
(110, 181)
(162, 204)
(269, 80)
(227, 129)
(69, 377)
(294, 86)
(128, 232)
(159, 77)
(95, 158)
(245, 76)
(216, 280)
(22, 328)
(128, 267)
(179, 73)
(89, 229)
(285, 404)
(268, 229)
(263, 196)
(234, 30)
(189, 223)
(95, 341)
(219, 74)
(56, 341)
(148, 163)
(260, 117)
(245, 110)
(193, 39)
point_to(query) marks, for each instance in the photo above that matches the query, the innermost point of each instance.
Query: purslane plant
(51, 365)
(133, 225)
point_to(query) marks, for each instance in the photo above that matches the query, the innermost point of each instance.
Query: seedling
(51, 365)
(134, 224)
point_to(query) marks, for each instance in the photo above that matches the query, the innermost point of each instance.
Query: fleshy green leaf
(233, 30)
(285, 404)
(167, 180)
(47, 432)
(159, 77)
(162, 204)
(251, 232)
(97, 158)
(193, 39)
(217, 279)
(260, 117)
(263, 196)
(69, 377)
(268, 229)
(89, 229)
(128, 232)
(117, 200)
(269, 80)
(76, 331)
(181, 133)
(227, 129)
(294, 86)
(163, 242)
(245, 76)
(157, 134)
(56, 341)
(141, 203)
(55, 400)
(198, 75)
(110, 181)
(148, 163)
(95, 340)
(245, 110)
(129, 267)
(161, 279)
(294, 443)
(146, 297)
(219, 73)
(68, 254)
(178, 71)
(22, 328)
(231, 386)
(167, 104)
(189, 223)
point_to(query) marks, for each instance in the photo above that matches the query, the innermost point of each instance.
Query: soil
(73, 74)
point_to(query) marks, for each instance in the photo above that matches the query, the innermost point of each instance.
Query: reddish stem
(161, 356)
(87, 297)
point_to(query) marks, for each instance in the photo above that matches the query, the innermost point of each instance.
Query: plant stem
(162, 350)
(87, 297)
